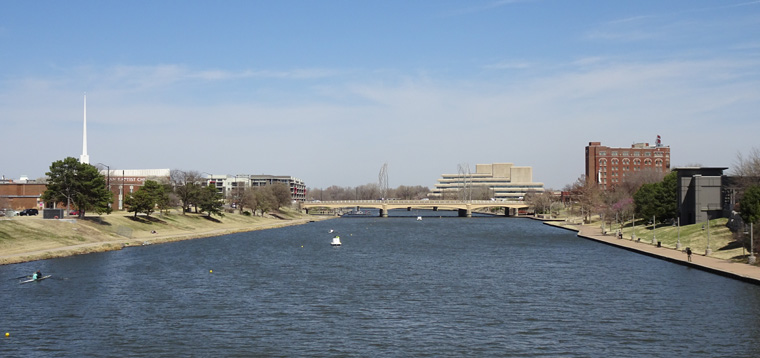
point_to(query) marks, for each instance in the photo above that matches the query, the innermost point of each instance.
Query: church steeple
(84, 158)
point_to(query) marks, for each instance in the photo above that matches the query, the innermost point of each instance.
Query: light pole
(708, 250)
(108, 180)
(752, 259)
(633, 227)
(654, 227)
(678, 244)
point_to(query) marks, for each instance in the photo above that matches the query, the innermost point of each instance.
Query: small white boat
(335, 241)
(419, 218)
(35, 280)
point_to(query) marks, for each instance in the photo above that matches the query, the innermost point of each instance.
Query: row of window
(626, 161)
(614, 172)
(635, 154)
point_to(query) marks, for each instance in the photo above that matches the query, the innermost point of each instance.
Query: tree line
(370, 191)
(84, 188)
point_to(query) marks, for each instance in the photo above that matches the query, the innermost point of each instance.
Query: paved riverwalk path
(737, 270)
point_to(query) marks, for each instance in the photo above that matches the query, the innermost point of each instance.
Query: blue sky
(328, 91)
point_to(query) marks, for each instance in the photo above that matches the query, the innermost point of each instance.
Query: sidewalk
(740, 271)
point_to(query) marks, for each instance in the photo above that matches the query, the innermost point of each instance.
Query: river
(398, 287)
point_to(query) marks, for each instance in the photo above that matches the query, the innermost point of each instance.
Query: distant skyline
(329, 91)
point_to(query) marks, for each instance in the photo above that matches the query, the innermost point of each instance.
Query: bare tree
(541, 201)
(465, 191)
(237, 196)
(632, 181)
(746, 169)
(187, 186)
(369, 191)
(281, 194)
(586, 197)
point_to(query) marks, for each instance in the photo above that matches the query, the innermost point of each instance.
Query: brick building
(608, 166)
(20, 196)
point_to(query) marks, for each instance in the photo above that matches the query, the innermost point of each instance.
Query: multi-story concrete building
(227, 183)
(701, 194)
(501, 180)
(608, 166)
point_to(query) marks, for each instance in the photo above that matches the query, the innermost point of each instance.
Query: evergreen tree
(211, 201)
(658, 200)
(750, 205)
(141, 201)
(80, 184)
(146, 198)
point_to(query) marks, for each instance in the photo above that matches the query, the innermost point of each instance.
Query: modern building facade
(701, 194)
(608, 166)
(501, 180)
(227, 183)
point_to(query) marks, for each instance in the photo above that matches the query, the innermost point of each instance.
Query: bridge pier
(384, 211)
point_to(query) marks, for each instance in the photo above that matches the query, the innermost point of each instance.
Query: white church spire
(84, 158)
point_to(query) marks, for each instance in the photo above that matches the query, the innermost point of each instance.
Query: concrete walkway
(736, 270)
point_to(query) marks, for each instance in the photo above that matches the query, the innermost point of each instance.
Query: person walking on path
(688, 253)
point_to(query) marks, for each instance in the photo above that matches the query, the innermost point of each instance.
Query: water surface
(441, 287)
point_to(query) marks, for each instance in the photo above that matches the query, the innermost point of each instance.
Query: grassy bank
(33, 238)
(721, 239)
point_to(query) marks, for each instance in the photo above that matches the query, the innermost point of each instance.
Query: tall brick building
(607, 166)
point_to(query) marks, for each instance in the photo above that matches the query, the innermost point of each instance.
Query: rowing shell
(33, 280)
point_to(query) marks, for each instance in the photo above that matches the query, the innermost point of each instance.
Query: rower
(37, 275)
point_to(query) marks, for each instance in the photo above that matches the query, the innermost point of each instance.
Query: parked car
(29, 212)
(74, 212)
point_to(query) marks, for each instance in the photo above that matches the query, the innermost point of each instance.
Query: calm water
(441, 287)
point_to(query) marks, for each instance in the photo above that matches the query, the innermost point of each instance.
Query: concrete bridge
(464, 208)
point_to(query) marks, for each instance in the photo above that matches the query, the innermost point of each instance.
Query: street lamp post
(678, 244)
(708, 250)
(752, 258)
(633, 227)
(108, 180)
(654, 226)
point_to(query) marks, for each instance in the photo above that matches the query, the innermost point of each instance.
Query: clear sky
(328, 91)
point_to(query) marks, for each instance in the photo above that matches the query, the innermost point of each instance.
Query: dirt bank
(25, 239)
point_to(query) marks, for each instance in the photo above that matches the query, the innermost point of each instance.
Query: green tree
(79, 184)
(164, 198)
(750, 207)
(668, 197)
(658, 200)
(211, 201)
(141, 201)
(750, 204)
(147, 198)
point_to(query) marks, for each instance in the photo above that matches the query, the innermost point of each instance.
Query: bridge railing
(413, 202)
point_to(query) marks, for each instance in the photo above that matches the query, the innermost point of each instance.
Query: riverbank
(726, 267)
(24, 239)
